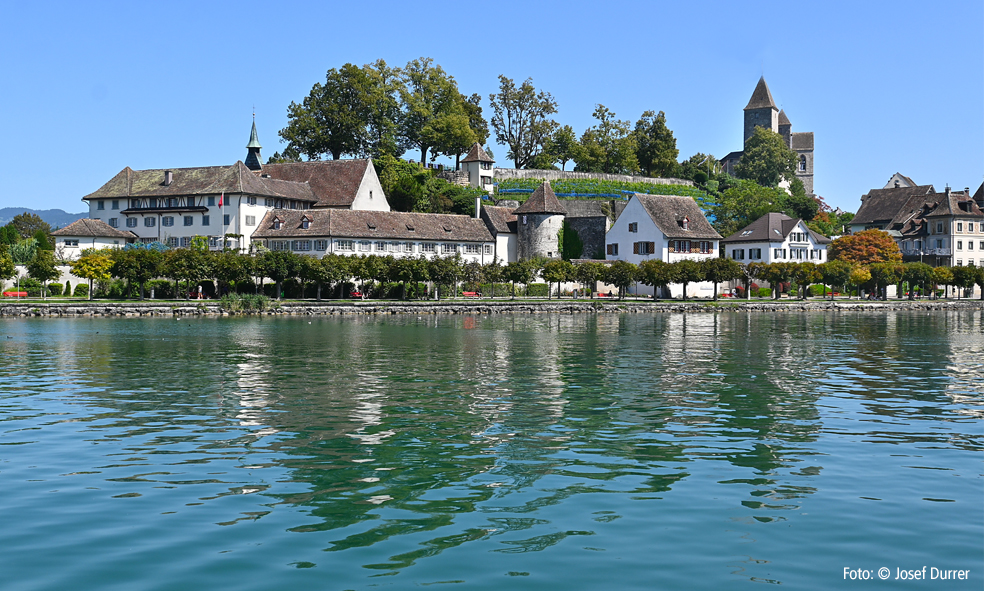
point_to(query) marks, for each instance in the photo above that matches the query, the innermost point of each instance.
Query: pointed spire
(253, 161)
(543, 200)
(761, 98)
(783, 120)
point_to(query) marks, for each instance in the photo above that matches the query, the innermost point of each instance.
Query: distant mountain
(56, 218)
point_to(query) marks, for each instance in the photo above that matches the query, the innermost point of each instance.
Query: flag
(221, 197)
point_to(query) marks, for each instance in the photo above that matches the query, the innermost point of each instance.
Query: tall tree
(333, 118)
(563, 146)
(719, 270)
(621, 274)
(383, 115)
(656, 148)
(836, 274)
(699, 168)
(865, 248)
(521, 119)
(27, 224)
(658, 274)
(431, 105)
(42, 267)
(687, 272)
(743, 203)
(609, 146)
(93, 264)
(767, 159)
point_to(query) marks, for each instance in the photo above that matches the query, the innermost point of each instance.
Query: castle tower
(761, 110)
(785, 128)
(478, 165)
(253, 157)
(539, 222)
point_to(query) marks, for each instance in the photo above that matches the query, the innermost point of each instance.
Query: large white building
(776, 238)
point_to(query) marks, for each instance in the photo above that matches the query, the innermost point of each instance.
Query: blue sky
(885, 86)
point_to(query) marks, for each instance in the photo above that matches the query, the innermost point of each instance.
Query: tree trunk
(715, 291)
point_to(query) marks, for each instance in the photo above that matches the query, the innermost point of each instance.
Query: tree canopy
(865, 248)
(656, 149)
(521, 119)
(767, 159)
(609, 146)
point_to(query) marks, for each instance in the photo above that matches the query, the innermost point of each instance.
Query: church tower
(253, 157)
(761, 110)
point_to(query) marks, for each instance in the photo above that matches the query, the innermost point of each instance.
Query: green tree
(656, 148)
(521, 119)
(333, 118)
(743, 203)
(493, 272)
(805, 274)
(445, 271)
(979, 279)
(431, 106)
(27, 224)
(963, 278)
(835, 274)
(330, 269)
(23, 251)
(609, 146)
(44, 240)
(767, 159)
(699, 168)
(520, 272)
(776, 274)
(917, 274)
(232, 268)
(688, 271)
(409, 270)
(138, 265)
(588, 273)
(280, 265)
(800, 205)
(42, 267)
(658, 274)
(94, 265)
(621, 274)
(557, 271)
(865, 248)
(383, 114)
(189, 264)
(719, 270)
(885, 274)
(859, 276)
(563, 146)
(942, 276)
(8, 235)
(7, 268)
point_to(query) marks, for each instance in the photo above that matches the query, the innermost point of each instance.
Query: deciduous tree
(521, 119)
(609, 146)
(767, 159)
(93, 265)
(688, 271)
(42, 267)
(557, 271)
(656, 149)
(658, 274)
(835, 274)
(431, 106)
(865, 248)
(719, 270)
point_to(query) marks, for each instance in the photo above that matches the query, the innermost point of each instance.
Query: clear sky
(92, 87)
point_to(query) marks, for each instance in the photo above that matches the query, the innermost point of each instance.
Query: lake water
(633, 451)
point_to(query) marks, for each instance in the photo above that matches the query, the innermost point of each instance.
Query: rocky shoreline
(484, 307)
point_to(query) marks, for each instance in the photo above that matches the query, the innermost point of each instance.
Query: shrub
(764, 292)
(32, 286)
(81, 291)
(235, 302)
(68, 288)
(536, 290)
(502, 290)
(818, 290)
(161, 288)
(55, 289)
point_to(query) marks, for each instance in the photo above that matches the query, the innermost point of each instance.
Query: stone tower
(253, 157)
(539, 222)
(761, 110)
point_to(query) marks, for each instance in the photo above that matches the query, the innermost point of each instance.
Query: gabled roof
(373, 225)
(668, 212)
(802, 140)
(954, 203)
(90, 228)
(888, 207)
(501, 220)
(335, 182)
(761, 97)
(477, 154)
(205, 180)
(543, 200)
(772, 227)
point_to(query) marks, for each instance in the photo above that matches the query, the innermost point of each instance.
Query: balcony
(929, 252)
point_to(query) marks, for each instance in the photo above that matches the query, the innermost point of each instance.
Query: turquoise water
(661, 451)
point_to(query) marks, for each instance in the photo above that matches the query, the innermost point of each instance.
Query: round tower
(539, 222)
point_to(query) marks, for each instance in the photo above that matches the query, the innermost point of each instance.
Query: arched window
(802, 162)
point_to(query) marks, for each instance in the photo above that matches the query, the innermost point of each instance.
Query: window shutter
(635, 248)
(610, 249)
(652, 248)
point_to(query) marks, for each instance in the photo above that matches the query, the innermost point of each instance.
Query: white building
(663, 227)
(776, 238)
(88, 233)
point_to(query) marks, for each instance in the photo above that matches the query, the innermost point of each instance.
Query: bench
(15, 294)
(471, 294)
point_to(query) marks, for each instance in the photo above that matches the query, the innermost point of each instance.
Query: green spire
(254, 140)
(253, 160)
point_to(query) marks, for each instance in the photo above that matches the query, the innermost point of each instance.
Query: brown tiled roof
(668, 211)
(979, 195)
(761, 97)
(502, 220)
(893, 206)
(957, 203)
(381, 225)
(802, 140)
(477, 154)
(771, 227)
(335, 182)
(543, 200)
(92, 229)
(204, 180)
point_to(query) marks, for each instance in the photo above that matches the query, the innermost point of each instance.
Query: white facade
(69, 248)
(799, 246)
(369, 196)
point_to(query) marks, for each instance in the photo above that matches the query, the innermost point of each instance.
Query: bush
(764, 292)
(55, 289)
(161, 288)
(502, 290)
(81, 291)
(244, 302)
(536, 290)
(818, 290)
(32, 286)
(68, 288)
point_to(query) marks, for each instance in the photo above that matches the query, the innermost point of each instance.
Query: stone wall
(539, 237)
(556, 175)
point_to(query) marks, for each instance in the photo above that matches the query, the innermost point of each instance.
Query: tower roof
(254, 140)
(783, 120)
(543, 200)
(477, 154)
(761, 98)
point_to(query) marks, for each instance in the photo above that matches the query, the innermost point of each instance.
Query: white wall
(370, 195)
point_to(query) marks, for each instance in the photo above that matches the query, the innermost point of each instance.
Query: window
(302, 245)
(100, 205)
(612, 249)
(681, 246)
(643, 248)
(305, 223)
(471, 249)
(447, 248)
(524, 220)
(364, 245)
(685, 223)
(131, 222)
(167, 221)
(320, 245)
(114, 222)
(189, 220)
(150, 222)
(277, 223)
(68, 242)
(185, 241)
(225, 219)
(755, 254)
(116, 203)
(959, 262)
(211, 201)
(738, 254)
(251, 220)
(251, 200)
(486, 166)
(213, 241)
(488, 249)
(486, 180)
(205, 220)
(279, 245)
(959, 244)
(380, 246)
(135, 203)
(970, 227)
(939, 227)
(268, 202)
(706, 247)
(980, 245)
(803, 162)
(970, 245)
(428, 247)
(345, 244)
(172, 242)
(939, 244)
(408, 247)
(634, 227)
(959, 226)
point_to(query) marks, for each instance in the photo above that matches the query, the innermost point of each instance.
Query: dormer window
(305, 222)
(371, 226)
(447, 229)
(685, 223)
(277, 223)
(409, 228)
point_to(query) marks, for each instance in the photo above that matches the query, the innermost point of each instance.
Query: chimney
(167, 178)
(948, 191)
(478, 207)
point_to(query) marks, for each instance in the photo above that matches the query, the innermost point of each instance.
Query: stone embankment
(179, 309)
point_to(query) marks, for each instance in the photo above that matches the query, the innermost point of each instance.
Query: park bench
(471, 294)
(15, 294)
